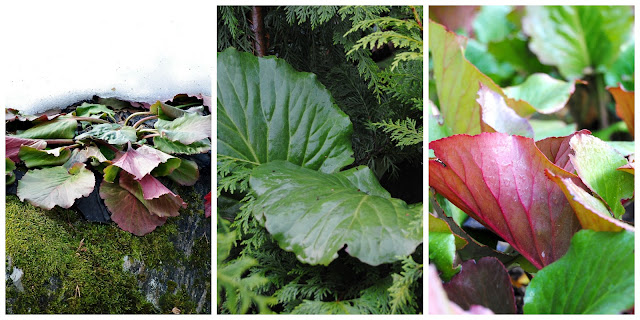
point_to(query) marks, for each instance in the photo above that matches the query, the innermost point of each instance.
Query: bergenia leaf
(315, 214)
(498, 117)
(453, 72)
(268, 111)
(140, 162)
(8, 171)
(90, 109)
(557, 150)
(46, 188)
(59, 128)
(544, 93)
(499, 180)
(186, 174)
(175, 147)
(165, 111)
(112, 133)
(187, 129)
(591, 212)
(13, 144)
(439, 303)
(110, 173)
(629, 167)
(485, 283)
(127, 211)
(543, 129)
(596, 276)
(33, 157)
(577, 39)
(624, 105)
(82, 155)
(596, 163)
(207, 205)
(442, 246)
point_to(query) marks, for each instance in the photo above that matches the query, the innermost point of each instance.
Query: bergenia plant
(529, 213)
(116, 149)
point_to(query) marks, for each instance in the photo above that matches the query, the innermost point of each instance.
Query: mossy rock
(73, 266)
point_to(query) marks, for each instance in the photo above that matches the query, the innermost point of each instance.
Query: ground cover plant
(312, 217)
(531, 160)
(63, 152)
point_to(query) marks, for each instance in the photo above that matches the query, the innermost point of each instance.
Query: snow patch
(124, 49)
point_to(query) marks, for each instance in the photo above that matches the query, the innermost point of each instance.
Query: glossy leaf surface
(442, 247)
(46, 188)
(186, 174)
(58, 128)
(485, 283)
(112, 133)
(268, 111)
(498, 117)
(543, 92)
(499, 180)
(175, 147)
(315, 214)
(33, 157)
(596, 276)
(597, 164)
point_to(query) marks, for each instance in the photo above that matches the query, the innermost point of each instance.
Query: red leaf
(13, 145)
(624, 105)
(166, 204)
(485, 283)
(557, 150)
(152, 188)
(439, 303)
(499, 180)
(207, 205)
(140, 162)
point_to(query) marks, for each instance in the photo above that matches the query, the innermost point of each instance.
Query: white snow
(57, 53)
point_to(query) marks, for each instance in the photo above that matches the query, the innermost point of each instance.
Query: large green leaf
(33, 157)
(315, 214)
(187, 129)
(442, 247)
(543, 92)
(268, 111)
(90, 109)
(59, 128)
(112, 133)
(622, 70)
(596, 163)
(578, 39)
(46, 188)
(175, 147)
(596, 276)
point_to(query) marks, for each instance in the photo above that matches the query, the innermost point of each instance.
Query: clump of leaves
(128, 149)
(549, 200)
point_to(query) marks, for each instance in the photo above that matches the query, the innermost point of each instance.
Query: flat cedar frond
(402, 290)
(404, 132)
(317, 15)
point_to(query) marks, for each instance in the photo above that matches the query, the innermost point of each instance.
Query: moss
(179, 300)
(79, 261)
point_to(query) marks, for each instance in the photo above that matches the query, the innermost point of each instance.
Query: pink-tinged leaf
(13, 144)
(139, 162)
(166, 204)
(152, 188)
(207, 205)
(13, 114)
(591, 212)
(499, 180)
(439, 302)
(557, 150)
(48, 187)
(498, 117)
(485, 283)
(624, 105)
(127, 212)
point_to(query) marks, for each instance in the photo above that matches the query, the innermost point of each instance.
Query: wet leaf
(499, 180)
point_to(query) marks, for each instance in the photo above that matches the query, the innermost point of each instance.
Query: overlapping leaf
(46, 188)
(112, 133)
(268, 111)
(13, 144)
(442, 246)
(596, 276)
(498, 117)
(485, 283)
(34, 157)
(597, 164)
(315, 214)
(543, 92)
(499, 180)
(91, 109)
(59, 128)
(439, 303)
(140, 162)
(457, 82)
(175, 147)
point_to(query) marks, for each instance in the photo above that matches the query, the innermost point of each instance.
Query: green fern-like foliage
(402, 291)
(403, 132)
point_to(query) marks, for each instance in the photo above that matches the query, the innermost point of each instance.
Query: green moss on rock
(74, 266)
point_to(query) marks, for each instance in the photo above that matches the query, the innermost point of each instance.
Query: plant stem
(59, 141)
(135, 114)
(257, 26)
(416, 16)
(602, 104)
(151, 135)
(141, 121)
